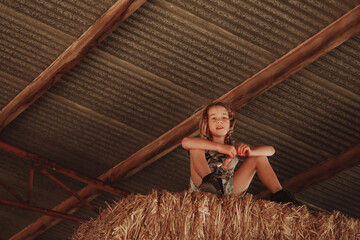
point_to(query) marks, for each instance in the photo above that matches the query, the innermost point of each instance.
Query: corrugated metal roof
(163, 63)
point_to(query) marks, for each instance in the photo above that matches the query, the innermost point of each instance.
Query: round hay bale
(199, 215)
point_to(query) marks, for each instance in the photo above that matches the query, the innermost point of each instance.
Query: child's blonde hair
(204, 121)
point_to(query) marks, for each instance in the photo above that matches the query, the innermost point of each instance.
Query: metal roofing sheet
(163, 63)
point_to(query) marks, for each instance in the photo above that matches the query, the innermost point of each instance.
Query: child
(213, 160)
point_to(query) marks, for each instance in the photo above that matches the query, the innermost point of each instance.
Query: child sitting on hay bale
(213, 158)
(200, 215)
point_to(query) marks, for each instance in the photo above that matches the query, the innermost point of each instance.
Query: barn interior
(96, 96)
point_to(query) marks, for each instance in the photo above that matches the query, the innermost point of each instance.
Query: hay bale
(198, 215)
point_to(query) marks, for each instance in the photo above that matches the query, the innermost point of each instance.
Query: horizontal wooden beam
(320, 172)
(42, 210)
(108, 22)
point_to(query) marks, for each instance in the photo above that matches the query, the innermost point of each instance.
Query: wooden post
(31, 181)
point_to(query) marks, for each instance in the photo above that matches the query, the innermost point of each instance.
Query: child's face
(219, 122)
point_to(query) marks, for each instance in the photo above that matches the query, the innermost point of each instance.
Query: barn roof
(118, 105)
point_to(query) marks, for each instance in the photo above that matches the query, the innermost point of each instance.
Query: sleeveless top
(216, 163)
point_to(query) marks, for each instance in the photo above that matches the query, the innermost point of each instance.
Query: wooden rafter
(320, 172)
(43, 162)
(45, 211)
(12, 192)
(26, 206)
(66, 188)
(108, 22)
(327, 39)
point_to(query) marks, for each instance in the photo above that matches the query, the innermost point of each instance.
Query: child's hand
(228, 149)
(243, 150)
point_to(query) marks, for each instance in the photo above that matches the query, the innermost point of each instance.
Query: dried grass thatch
(198, 215)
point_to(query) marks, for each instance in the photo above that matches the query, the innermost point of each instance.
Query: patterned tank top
(217, 161)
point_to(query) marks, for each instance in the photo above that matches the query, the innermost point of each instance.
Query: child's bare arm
(190, 143)
(244, 150)
(203, 144)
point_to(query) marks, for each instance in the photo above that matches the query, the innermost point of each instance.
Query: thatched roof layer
(198, 215)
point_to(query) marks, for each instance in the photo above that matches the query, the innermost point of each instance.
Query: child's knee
(259, 158)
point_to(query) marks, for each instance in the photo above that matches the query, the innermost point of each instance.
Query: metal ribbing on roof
(324, 130)
(71, 17)
(170, 175)
(341, 66)
(40, 196)
(337, 193)
(36, 42)
(168, 59)
(174, 49)
(64, 228)
(92, 137)
(328, 99)
(41, 30)
(9, 163)
(118, 97)
(254, 20)
(288, 150)
(9, 88)
(336, 131)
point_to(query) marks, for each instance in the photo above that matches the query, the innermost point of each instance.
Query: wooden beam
(31, 182)
(40, 161)
(12, 192)
(327, 39)
(108, 22)
(320, 172)
(61, 184)
(42, 210)
(324, 41)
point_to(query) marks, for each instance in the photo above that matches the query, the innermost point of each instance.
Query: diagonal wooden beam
(108, 22)
(310, 50)
(327, 39)
(12, 192)
(40, 161)
(320, 172)
(66, 188)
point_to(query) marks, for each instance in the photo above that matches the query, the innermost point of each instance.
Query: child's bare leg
(199, 167)
(246, 172)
